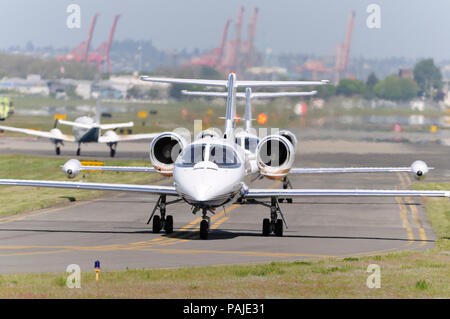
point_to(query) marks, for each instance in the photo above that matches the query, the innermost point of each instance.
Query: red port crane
(101, 54)
(248, 45)
(342, 57)
(214, 57)
(80, 52)
(344, 49)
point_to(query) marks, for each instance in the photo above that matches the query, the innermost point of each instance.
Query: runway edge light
(97, 269)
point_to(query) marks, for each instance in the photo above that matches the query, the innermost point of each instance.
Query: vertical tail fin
(231, 108)
(98, 111)
(248, 110)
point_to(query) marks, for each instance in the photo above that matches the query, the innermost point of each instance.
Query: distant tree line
(427, 82)
(21, 66)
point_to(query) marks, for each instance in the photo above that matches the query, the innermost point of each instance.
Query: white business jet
(85, 130)
(212, 171)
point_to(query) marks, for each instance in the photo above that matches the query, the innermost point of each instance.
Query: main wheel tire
(289, 200)
(112, 153)
(168, 227)
(58, 151)
(280, 200)
(156, 224)
(266, 227)
(279, 228)
(204, 229)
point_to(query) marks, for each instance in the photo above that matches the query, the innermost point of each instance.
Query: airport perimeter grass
(409, 274)
(19, 199)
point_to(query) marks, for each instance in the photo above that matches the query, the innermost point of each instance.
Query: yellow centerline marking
(405, 181)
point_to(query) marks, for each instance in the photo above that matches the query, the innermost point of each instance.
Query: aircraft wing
(268, 193)
(123, 138)
(119, 169)
(350, 170)
(113, 126)
(50, 135)
(76, 124)
(148, 189)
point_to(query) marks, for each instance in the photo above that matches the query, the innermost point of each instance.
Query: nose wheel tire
(204, 229)
(112, 153)
(168, 226)
(78, 152)
(266, 227)
(58, 151)
(156, 224)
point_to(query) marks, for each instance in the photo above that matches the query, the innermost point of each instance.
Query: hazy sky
(411, 28)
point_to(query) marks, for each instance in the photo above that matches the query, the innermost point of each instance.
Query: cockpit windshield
(222, 155)
(248, 142)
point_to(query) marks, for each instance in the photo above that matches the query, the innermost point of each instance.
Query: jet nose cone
(201, 192)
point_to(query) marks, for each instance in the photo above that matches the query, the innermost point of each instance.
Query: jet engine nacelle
(72, 168)
(290, 136)
(419, 169)
(164, 151)
(275, 156)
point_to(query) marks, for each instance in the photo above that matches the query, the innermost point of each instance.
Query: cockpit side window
(193, 155)
(222, 155)
(251, 143)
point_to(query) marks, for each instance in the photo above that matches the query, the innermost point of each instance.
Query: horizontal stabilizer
(237, 84)
(253, 95)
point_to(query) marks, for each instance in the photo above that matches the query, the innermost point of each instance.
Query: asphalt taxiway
(113, 228)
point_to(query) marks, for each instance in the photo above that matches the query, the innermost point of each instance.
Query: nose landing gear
(204, 225)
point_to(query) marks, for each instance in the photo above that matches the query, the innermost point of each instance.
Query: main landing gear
(274, 224)
(286, 184)
(57, 149)
(162, 221)
(112, 148)
(79, 149)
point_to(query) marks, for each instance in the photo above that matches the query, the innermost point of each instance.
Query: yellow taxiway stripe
(405, 181)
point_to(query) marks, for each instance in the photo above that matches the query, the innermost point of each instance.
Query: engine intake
(274, 156)
(164, 151)
(290, 137)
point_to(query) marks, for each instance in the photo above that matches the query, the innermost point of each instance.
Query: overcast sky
(410, 28)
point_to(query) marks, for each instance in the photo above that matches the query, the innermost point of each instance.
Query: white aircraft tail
(232, 84)
(248, 96)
